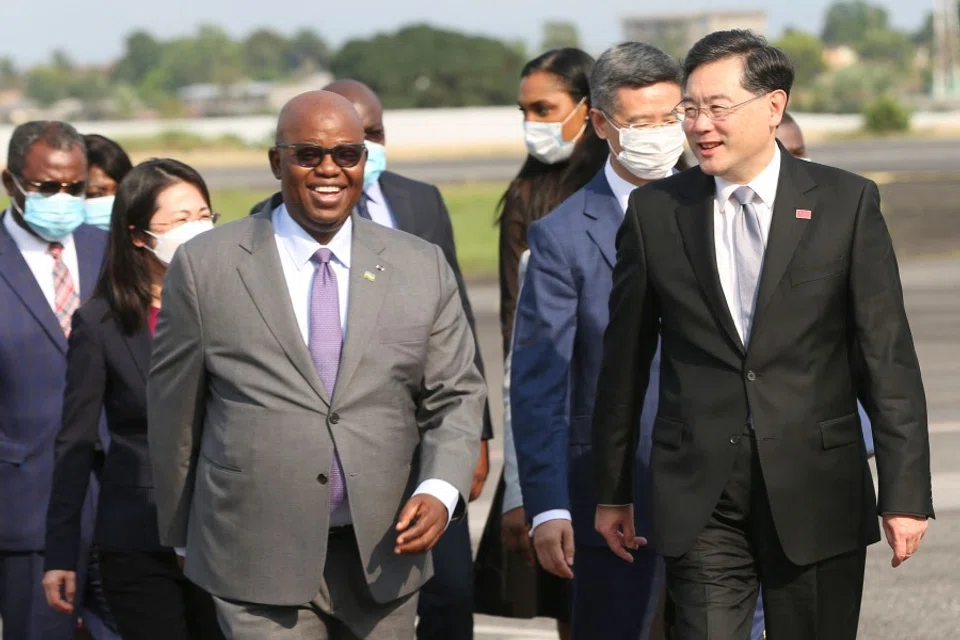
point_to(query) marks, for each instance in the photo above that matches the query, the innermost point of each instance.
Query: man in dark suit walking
(774, 287)
(445, 607)
(49, 261)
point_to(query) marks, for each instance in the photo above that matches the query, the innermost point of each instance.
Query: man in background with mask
(445, 607)
(558, 343)
(49, 261)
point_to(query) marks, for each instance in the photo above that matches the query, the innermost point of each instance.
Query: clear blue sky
(92, 31)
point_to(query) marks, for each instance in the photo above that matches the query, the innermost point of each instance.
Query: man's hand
(615, 524)
(904, 534)
(422, 522)
(480, 472)
(515, 534)
(52, 583)
(553, 541)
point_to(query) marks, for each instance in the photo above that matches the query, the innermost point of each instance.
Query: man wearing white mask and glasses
(558, 342)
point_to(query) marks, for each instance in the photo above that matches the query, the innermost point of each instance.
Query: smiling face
(319, 199)
(740, 143)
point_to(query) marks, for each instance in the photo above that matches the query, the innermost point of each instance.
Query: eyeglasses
(52, 187)
(714, 112)
(309, 156)
(674, 118)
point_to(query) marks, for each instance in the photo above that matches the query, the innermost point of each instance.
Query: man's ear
(274, 156)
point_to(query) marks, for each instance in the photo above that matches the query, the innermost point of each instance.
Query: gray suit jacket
(241, 428)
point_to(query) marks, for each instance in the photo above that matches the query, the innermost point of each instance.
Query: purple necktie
(326, 340)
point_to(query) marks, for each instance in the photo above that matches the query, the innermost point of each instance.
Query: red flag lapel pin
(804, 214)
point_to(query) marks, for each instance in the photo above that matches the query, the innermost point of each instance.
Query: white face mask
(168, 242)
(545, 139)
(650, 154)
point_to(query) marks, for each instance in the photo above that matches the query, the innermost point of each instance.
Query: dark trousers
(149, 598)
(613, 598)
(714, 585)
(446, 600)
(23, 606)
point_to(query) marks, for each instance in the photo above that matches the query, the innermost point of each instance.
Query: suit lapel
(695, 220)
(602, 208)
(261, 272)
(398, 201)
(368, 287)
(14, 269)
(795, 190)
(140, 346)
(89, 259)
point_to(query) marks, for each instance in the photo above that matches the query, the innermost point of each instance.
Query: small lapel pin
(369, 276)
(804, 214)
(379, 268)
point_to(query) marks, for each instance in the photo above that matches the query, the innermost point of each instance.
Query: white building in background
(675, 33)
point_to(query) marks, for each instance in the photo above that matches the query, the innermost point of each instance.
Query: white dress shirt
(296, 247)
(378, 207)
(765, 186)
(36, 253)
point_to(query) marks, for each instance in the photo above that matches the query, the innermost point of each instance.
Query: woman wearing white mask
(564, 152)
(108, 164)
(159, 205)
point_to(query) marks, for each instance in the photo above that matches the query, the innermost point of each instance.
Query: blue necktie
(362, 206)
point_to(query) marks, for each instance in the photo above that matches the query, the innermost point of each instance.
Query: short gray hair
(53, 133)
(631, 65)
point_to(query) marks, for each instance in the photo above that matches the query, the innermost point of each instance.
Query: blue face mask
(97, 211)
(54, 217)
(376, 163)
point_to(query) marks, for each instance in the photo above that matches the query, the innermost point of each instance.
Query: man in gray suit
(314, 408)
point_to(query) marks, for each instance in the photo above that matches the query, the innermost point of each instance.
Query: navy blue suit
(33, 363)
(557, 347)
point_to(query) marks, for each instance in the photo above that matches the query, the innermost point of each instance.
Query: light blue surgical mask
(52, 218)
(97, 211)
(376, 163)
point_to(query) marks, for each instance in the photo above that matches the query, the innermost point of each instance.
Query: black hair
(53, 133)
(765, 67)
(125, 280)
(106, 154)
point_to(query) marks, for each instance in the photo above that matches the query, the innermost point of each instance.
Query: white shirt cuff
(443, 491)
(181, 551)
(546, 516)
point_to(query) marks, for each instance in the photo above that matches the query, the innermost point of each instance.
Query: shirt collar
(764, 185)
(26, 241)
(301, 246)
(620, 187)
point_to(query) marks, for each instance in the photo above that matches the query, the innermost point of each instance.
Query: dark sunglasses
(52, 187)
(309, 156)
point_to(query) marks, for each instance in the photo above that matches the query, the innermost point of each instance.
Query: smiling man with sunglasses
(314, 407)
(49, 261)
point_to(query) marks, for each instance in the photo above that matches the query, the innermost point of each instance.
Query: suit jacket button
(734, 439)
(322, 479)
(751, 376)
(334, 418)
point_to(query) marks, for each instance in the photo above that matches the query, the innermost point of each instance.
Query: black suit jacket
(829, 324)
(106, 370)
(418, 209)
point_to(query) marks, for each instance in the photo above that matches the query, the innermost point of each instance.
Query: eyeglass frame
(727, 111)
(23, 181)
(324, 152)
(642, 126)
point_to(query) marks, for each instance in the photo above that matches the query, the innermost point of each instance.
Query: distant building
(246, 98)
(676, 33)
(840, 57)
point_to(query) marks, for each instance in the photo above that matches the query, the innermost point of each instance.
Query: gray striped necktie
(748, 252)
